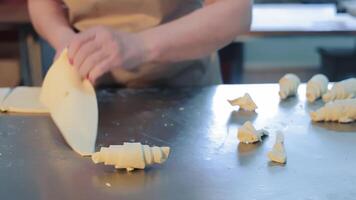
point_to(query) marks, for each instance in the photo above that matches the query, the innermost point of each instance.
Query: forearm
(199, 33)
(50, 21)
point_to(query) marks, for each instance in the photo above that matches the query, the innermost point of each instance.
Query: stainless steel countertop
(206, 160)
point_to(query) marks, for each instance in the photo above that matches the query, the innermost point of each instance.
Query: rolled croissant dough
(342, 110)
(24, 100)
(131, 156)
(345, 89)
(288, 85)
(317, 86)
(73, 105)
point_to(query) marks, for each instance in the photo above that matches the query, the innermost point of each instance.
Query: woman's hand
(100, 49)
(64, 41)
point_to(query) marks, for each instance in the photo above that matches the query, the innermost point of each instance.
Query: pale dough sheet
(3, 94)
(72, 104)
(24, 100)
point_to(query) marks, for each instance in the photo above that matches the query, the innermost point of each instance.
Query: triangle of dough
(24, 100)
(73, 105)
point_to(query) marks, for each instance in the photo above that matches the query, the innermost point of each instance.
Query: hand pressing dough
(288, 85)
(24, 100)
(245, 103)
(316, 87)
(278, 153)
(3, 94)
(343, 111)
(131, 156)
(345, 89)
(72, 104)
(248, 134)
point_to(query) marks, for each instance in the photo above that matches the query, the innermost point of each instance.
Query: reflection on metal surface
(333, 126)
(289, 103)
(220, 108)
(247, 153)
(274, 164)
(154, 138)
(246, 149)
(127, 182)
(241, 116)
(276, 126)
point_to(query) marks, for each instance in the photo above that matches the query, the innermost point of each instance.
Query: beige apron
(138, 15)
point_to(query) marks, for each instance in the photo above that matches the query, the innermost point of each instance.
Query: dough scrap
(345, 89)
(24, 100)
(245, 103)
(3, 94)
(316, 87)
(343, 111)
(278, 153)
(248, 134)
(131, 156)
(288, 86)
(73, 105)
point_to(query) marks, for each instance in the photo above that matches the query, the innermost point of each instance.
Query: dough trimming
(278, 153)
(245, 103)
(248, 134)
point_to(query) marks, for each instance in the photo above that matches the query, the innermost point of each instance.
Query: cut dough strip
(278, 153)
(316, 87)
(24, 100)
(343, 111)
(345, 89)
(245, 103)
(288, 85)
(72, 104)
(131, 156)
(248, 134)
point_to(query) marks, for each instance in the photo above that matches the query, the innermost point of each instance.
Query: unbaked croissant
(288, 85)
(245, 103)
(131, 156)
(343, 111)
(345, 89)
(316, 87)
